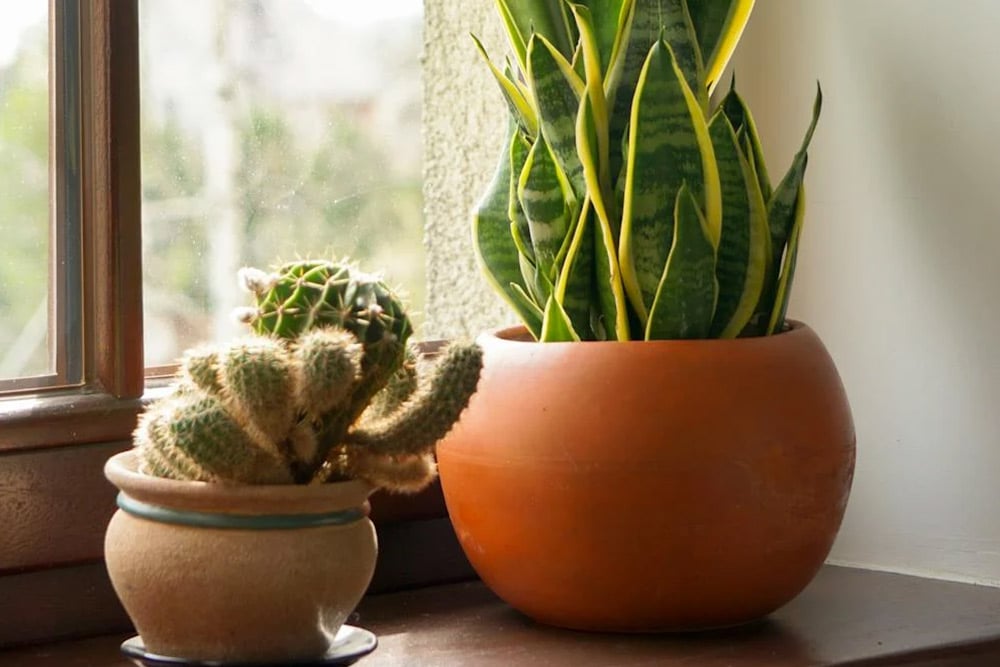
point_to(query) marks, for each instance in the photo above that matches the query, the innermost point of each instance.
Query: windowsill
(845, 617)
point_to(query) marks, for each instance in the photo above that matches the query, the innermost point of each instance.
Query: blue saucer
(349, 646)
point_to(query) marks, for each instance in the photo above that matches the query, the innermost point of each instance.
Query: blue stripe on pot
(237, 521)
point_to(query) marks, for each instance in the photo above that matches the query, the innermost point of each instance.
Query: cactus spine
(326, 390)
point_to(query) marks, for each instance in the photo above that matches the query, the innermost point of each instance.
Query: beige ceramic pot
(646, 486)
(215, 572)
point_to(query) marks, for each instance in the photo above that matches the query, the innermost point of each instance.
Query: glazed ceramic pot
(650, 486)
(216, 572)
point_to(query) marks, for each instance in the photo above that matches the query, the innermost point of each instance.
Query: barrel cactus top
(324, 389)
(308, 294)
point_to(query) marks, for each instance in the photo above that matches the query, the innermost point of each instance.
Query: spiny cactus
(330, 395)
(308, 294)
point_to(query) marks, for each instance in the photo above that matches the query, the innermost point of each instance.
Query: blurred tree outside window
(24, 190)
(271, 130)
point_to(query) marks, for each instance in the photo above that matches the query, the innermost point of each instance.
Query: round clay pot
(650, 486)
(228, 573)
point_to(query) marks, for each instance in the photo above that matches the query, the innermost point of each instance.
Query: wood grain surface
(847, 617)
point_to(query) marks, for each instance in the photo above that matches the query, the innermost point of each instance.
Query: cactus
(325, 390)
(309, 294)
(625, 204)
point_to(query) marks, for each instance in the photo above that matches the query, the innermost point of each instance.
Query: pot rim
(223, 498)
(518, 334)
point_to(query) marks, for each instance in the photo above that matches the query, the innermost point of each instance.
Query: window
(82, 233)
(274, 129)
(40, 223)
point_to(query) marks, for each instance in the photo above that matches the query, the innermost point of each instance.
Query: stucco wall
(463, 131)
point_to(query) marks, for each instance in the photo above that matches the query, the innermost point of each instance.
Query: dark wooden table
(846, 617)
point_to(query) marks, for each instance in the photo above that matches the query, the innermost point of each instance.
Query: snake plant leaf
(597, 105)
(522, 18)
(745, 245)
(782, 210)
(607, 15)
(519, 149)
(575, 286)
(592, 146)
(669, 146)
(517, 102)
(613, 317)
(534, 324)
(557, 90)
(499, 258)
(678, 31)
(781, 207)
(719, 25)
(777, 321)
(542, 192)
(742, 121)
(530, 274)
(640, 28)
(685, 301)
(556, 325)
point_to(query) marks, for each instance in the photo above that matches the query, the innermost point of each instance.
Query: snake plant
(626, 204)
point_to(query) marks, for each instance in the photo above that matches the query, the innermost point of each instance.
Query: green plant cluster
(327, 389)
(625, 204)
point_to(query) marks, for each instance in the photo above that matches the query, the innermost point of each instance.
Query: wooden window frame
(108, 272)
(54, 501)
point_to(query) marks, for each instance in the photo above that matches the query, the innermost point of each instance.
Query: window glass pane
(274, 129)
(24, 189)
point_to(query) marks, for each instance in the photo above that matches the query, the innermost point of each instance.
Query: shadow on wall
(899, 268)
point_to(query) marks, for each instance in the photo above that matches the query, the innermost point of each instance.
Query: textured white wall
(464, 123)
(899, 271)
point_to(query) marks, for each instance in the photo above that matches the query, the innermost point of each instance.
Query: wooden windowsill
(846, 617)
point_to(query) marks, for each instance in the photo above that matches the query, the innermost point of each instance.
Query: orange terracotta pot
(650, 486)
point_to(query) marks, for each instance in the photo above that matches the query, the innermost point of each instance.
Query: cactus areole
(325, 389)
(625, 204)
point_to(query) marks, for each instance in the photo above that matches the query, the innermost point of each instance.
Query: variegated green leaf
(519, 149)
(542, 193)
(557, 89)
(777, 321)
(742, 121)
(494, 245)
(592, 146)
(596, 106)
(745, 245)
(518, 104)
(669, 145)
(530, 275)
(640, 29)
(678, 31)
(607, 16)
(528, 305)
(521, 18)
(685, 300)
(719, 25)
(575, 287)
(556, 326)
(613, 318)
(781, 206)
(643, 23)
(782, 209)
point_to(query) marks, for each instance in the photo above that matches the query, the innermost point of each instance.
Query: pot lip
(518, 334)
(288, 499)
